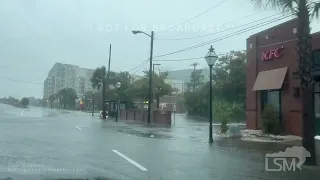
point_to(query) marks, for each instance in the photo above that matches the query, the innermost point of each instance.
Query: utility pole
(150, 72)
(107, 83)
(194, 73)
(150, 80)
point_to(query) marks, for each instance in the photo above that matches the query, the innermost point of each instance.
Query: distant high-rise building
(67, 76)
(48, 88)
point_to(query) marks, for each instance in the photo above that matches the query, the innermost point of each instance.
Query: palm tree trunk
(103, 100)
(305, 65)
(158, 101)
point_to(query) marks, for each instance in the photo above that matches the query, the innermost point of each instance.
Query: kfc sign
(272, 54)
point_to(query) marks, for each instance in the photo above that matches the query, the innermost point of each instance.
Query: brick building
(272, 62)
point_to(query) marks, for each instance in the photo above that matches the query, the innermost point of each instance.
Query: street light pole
(118, 106)
(211, 59)
(93, 103)
(210, 106)
(150, 72)
(118, 85)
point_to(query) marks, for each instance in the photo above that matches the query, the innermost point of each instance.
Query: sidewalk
(259, 136)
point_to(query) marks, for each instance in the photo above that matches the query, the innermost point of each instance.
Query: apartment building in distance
(179, 78)
(67, 76)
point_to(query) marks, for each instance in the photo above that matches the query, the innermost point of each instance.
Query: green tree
(140, 88)
(99, 78)
(197, 103)
(52, 97)
(25, 102)
(126, 83)
(229, 77)
(196, 80)
(302, 9)
(67, 97)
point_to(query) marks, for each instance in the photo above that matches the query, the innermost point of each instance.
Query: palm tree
(193, 74)
(302, 9)
(99, 78)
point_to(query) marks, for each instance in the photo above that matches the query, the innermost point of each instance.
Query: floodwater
(52, 144)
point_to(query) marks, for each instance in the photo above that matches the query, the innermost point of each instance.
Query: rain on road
(52, 144)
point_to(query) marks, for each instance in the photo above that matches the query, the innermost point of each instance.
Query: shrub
(224, 111)
(270, 120)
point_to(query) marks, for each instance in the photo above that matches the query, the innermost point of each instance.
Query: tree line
(131, 89)
(22, 103)
(229, 85)
(104, 85)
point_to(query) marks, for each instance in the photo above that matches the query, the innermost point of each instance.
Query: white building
(67, 76)
(179, 78)
(175, 83)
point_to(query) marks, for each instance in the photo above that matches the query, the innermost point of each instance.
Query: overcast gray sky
(37, 33)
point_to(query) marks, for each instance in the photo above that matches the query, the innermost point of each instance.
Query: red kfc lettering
(265, 55)
(277, 52)
(272, 54)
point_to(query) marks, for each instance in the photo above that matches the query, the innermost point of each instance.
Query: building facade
(272, 78)
(48, 88)
(67, 76)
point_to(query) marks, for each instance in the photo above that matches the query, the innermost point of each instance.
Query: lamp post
(211, 59)
(93, 102)
(118, 104)
(150, 71)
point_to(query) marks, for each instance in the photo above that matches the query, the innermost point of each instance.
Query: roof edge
(286, 22)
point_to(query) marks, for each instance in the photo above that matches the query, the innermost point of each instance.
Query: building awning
(269, 80)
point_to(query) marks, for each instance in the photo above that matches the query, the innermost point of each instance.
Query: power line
(244, 17)
(196, 16)
(142, 63)
(15, 80)
(222, 38)
(194, 37)
(139, 68)
(221, 54)
(179, 59)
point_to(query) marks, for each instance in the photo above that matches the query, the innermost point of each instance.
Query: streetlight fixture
(150, 71)
(211, 59)
(118, 85)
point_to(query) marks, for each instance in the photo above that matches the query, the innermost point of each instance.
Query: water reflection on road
(63, 139)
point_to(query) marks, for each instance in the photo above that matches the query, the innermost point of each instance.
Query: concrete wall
(158, 117)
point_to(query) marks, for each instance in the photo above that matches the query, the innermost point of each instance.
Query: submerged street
(54, 144)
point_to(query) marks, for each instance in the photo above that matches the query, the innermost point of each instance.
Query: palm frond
(98, 77)
(284, 5)
(316, 9)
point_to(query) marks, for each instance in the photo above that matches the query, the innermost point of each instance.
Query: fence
(157, 117)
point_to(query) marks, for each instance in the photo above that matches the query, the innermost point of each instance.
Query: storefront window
(316, 58)
(317, 106)
(272, 98)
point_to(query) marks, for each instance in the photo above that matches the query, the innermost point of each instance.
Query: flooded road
(52, 144)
